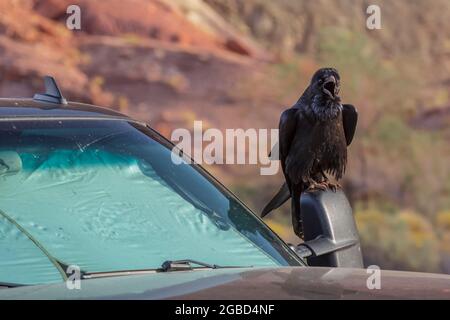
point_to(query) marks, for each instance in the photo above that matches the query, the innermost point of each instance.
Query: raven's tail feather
(281, 197)
(297, 222)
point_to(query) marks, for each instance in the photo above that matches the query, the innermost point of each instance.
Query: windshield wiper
(167, 266)
(10, 285)
(187, 264)
(180, 265)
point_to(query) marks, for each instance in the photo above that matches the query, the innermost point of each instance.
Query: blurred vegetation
(380, 237)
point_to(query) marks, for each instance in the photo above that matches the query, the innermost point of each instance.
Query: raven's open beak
(329, 86)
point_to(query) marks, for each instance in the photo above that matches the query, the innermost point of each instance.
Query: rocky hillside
(149, 43)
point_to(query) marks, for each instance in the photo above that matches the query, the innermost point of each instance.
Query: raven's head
(324, 92)
(326, 81)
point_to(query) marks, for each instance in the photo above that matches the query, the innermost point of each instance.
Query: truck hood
(248, 283)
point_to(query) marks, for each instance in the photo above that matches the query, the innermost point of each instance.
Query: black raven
(313, 138)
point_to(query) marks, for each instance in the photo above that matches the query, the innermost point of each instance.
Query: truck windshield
(106, 195)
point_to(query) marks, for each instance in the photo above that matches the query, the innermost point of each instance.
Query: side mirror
(330, 234)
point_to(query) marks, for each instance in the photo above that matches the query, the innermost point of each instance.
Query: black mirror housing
(330, 233)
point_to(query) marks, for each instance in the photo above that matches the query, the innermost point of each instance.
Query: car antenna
(52, 93)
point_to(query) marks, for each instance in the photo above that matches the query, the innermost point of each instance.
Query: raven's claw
(333, 186)
(314, 186)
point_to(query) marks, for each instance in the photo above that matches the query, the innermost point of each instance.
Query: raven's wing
(349, 119)
(301, 156)
(287, 126)
(286, 133)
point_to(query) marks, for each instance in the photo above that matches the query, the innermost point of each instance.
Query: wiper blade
(167, 266)
(175, 265)
(10, 285)
(105, 274)
(187, 264)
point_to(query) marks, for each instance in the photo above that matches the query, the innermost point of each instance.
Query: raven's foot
(333, 186)
(315, 186)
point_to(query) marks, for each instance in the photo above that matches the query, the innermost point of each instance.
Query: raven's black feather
(349, 119)
(281, 197)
